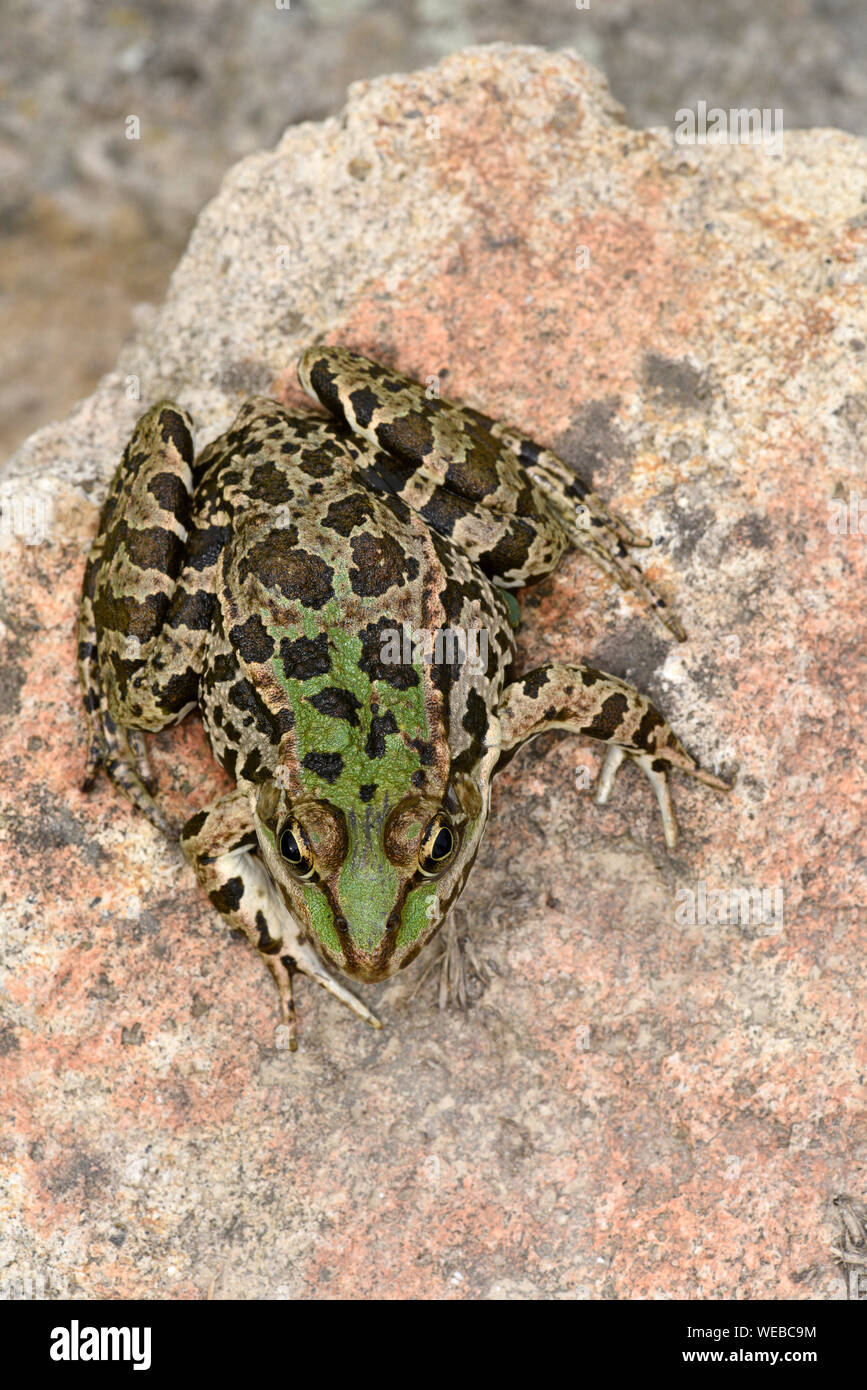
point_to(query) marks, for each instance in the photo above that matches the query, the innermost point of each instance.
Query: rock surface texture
(652, 1097)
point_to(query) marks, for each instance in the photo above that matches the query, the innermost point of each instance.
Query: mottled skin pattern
(260, 582)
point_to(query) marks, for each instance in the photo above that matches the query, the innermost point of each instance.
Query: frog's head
(372, 882)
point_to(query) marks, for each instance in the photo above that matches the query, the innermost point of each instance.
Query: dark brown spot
(608, 719)
(511, 550)
(174, 431)
(266, 943)
(337, 703)
(425, 750)
(401, 675)
(364, 404)
(247, 699)
(193, 610)
(204, 546)
(380, 563)
(194, 825)
(228, 898)
(535, 680)
(131, 616)
(269, 483)
(328, 766)
(380, 725)
(252, 765)
(179, 690)
(154, 548)
(444, 510)
(475, 719)
(316, 460)
(306, 657)
(650, 720)
(408, 436)
(349, 512)
(252, 640)
(172, 495)
(280, 564)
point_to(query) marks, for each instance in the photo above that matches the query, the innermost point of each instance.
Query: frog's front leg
(586, 701)
(220, 843)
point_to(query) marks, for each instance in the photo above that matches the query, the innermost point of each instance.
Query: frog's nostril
(341, 924)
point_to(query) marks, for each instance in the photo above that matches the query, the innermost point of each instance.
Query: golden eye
(438, 844)
(297, 850)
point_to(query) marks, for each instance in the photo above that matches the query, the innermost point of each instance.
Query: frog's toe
(282, 969)
(139, 756)
(655, 770)
(121, 752)
(304, 960)
(656, 767)
(135, 790)
(92, 766)
(613, 758)
(614, 561)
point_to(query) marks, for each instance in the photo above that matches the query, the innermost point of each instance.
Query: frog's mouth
(368, 949)
(369, 966)
(369, 953)
(357, 917)
(366, 954)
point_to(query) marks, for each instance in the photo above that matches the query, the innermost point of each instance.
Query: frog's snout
(366, 959)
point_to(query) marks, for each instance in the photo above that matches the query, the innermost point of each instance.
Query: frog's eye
(438, 844)
(296, 849)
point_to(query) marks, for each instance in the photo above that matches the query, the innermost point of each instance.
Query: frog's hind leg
(123, 754)
(220, 843)
(143, 619)
(594, 528)
(570, 494)
(586, 701)
(509, 504)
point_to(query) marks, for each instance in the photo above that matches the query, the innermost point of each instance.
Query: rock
(653, 1098)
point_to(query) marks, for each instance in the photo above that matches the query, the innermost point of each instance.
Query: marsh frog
(332, 592)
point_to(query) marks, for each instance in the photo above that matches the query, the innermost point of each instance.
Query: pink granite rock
(663, 1084)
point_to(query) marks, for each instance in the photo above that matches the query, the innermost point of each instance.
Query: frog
(291, 583)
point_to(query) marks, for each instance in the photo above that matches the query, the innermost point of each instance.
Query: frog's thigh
(220, 843)
(145, 628)
(443, 462)
(129, 582)
(586, 701)
(590, 524)
(511, 505)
